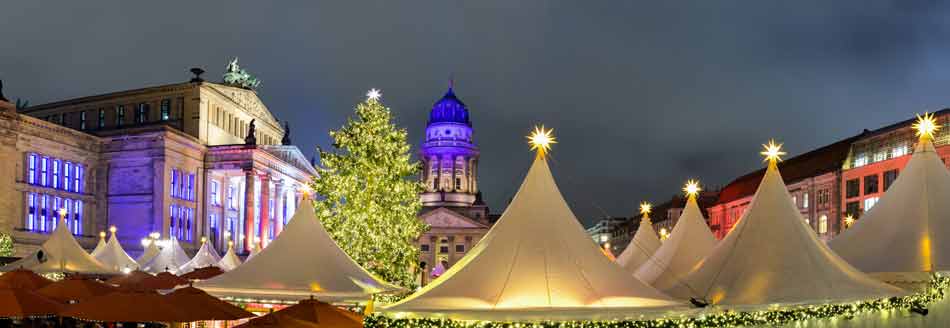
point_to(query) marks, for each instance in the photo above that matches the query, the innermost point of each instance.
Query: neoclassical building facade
(185, 160)
(452, 203)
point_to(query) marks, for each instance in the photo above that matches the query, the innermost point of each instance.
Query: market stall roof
(115, 257)
(643, 245)
(206, 256)
(169, 259)
(773, 256)
(150, 252)
(908, 230)
(75, 289)
(689, 243)
(556, 267)
(99, 246)
(302, 261)
(60, 253)
(230, 260)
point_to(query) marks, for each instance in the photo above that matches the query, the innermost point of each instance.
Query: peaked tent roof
(206, 256)
(100, 246)
(773, 256)
(689, 243)
(115, 257)
(643, 245)
(60, 253)
(230, 260)
(516, 274)
(303, 261)
(149, 253)
(169, 259)
(908, 230)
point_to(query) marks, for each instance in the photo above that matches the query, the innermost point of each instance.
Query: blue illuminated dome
(449, 109)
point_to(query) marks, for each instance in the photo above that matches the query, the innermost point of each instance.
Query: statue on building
(2, 98)
(286, 139)
(197, 71)
(251, 138)
(237, 76)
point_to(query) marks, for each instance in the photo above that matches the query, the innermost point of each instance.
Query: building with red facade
(829, 183)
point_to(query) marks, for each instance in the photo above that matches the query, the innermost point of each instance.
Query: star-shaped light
(112, 229)
(692, 188)
(373, 94)
(645, 208)
(772, 152)
(204, 239)
(62, 212)
(926, 126)
(541, 139)
(664, 234)
(102, 234)
(848, 221)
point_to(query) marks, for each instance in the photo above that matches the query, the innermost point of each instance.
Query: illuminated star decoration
(692, 188)
(645, 208)
(112, 229)
(373, 94)
(102, 234)
(664, 234)
(773, 152)
(926, 126)
(848, 221)
(541, 140)
(62, 212)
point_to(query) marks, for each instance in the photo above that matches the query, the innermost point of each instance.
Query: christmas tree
(367, 196)
(6, 245)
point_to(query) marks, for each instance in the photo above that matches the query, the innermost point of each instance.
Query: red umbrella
(198, 305)
(20, 302)
(312, 312)
(136, 277)
(203, 273)
(75, 289)
(273, 321)
(22, 278)
(127, 306)
(168, 278)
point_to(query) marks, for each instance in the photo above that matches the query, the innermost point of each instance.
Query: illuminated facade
(176, 159)
(452, 204)
(830, 183)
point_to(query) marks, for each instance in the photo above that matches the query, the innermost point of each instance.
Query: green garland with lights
(727, 318)
(367, 196)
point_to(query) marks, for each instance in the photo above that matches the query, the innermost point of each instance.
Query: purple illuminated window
(56, 164)
(31, 171)
(174, 182)
(77, 187)
(44, 213)
(77, 217)
(44, 167)
(67, 181)
(31, 212)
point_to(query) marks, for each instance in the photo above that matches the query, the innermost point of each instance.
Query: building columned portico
(255, 198)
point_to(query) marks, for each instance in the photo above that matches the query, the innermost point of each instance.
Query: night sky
(640, 95)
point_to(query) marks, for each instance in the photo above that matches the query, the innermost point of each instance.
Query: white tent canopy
(150, 252)
(206, 256)
(908, 230)
(100, 246)
(773, 256)
(230, 260)
(115, 257)
(60, 253)
(303, 261)
(169, 259)
(537, 257)
(688, 244)
(643, 245)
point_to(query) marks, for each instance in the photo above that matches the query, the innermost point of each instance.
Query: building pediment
(248, 100)
(446, 218)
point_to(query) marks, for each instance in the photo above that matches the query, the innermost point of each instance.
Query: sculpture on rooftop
(236, 76)
(286, 139)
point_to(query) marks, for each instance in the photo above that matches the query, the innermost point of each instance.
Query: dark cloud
(642, 95)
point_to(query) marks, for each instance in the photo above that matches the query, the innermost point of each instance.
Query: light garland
(778, 316)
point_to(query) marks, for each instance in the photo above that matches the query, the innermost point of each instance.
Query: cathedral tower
(450, 159)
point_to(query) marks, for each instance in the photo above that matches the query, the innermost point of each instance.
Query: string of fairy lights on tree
(367, 198)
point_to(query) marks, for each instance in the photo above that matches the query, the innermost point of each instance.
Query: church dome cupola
(449, 109)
